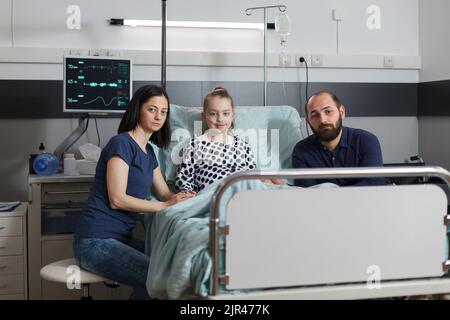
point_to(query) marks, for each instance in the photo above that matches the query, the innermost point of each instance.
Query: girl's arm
(185, 181)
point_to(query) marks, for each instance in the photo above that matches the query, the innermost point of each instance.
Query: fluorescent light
(192, 24)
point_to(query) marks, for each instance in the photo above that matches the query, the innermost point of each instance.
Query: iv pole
(163, 42)
(249, 12)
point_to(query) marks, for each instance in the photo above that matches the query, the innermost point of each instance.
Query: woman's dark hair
(130, 119)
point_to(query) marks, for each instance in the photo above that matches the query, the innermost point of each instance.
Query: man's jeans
(116, 261)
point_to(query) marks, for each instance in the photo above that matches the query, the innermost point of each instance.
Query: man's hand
(275, 181)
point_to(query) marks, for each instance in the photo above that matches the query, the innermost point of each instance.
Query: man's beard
(329, 134)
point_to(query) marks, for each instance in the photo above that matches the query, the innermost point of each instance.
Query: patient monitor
(94, 86)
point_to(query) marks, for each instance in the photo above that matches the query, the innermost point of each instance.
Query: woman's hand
(178, 197)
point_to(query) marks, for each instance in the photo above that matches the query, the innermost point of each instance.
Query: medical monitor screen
(96, 84)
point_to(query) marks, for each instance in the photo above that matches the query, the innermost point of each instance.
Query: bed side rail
(362, 172)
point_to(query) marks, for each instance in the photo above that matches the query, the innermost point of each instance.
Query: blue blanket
(180, 263)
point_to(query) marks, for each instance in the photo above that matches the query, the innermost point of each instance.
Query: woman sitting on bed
(217, 153)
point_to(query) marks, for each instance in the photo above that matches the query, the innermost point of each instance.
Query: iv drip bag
(283, 24)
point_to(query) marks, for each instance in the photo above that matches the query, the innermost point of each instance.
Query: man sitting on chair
(334, 146)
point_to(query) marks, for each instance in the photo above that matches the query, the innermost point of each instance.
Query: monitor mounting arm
(73, 137)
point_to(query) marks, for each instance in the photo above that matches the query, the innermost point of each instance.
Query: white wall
(434, 132)
(47, 71)
(5, 23)
(398, 136)
(434, 140)
(42, 24)
(434, 40)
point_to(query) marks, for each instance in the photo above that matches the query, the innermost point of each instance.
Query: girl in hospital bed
(217, 153)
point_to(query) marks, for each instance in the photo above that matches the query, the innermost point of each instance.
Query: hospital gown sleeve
(185, 181)
(250, 157)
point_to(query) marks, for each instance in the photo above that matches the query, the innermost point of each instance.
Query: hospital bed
(317, 243)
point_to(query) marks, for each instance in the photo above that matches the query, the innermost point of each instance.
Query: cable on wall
(337, 36)
(303, 60)
(98, 134)
(337, 16)
(12, 23)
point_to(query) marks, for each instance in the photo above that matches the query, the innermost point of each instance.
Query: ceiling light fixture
(186, 24)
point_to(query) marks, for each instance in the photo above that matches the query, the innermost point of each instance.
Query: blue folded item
(8, 206)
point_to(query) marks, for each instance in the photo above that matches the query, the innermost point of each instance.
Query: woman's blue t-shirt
(98, 220)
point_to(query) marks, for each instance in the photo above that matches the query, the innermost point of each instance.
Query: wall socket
(113, 53)
(284, 60)
(77, 52)
(316, 60)
(297, 60)
(337, 15)
(95, 52)
(98, 52)
(389, 62)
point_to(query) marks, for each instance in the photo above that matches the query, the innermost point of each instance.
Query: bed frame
(339, 243)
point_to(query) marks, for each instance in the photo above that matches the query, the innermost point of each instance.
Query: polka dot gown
(205, 162)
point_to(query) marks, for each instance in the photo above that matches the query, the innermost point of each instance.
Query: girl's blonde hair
(220, 92)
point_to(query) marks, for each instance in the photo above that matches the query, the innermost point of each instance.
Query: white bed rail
(367, 172)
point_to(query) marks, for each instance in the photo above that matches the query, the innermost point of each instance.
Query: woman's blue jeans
(123, 263)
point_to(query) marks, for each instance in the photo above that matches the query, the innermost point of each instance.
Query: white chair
(61, 270)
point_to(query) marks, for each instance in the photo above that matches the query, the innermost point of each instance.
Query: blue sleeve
(371, 152)
(370, 157)
(152, 152)
(298, 162)
(120, 148)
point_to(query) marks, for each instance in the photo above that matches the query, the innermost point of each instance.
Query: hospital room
(224, 150)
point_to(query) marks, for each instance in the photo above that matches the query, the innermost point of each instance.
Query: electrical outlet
(113, 53)
(98, 52)
(284, 60)
(316, 60)
(77, 52)
(337, 15)
(389, 62)
(297, 60)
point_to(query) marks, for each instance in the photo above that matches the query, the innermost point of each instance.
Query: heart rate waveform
(94, 67)
(96, 84)
(103, 100)
(120, 68)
